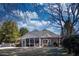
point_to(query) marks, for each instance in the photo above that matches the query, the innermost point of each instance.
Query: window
(44, 41)
(36, 40)
(31, 41)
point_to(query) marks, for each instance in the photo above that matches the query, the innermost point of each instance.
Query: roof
(39, 34)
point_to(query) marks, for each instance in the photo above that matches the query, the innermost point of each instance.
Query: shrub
(72, 44)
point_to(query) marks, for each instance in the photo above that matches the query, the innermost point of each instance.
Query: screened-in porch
(42, 38)
(39, 42)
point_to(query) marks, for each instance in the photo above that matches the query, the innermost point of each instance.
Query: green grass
(33, 52)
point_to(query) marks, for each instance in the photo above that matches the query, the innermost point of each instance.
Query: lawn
(33, 52)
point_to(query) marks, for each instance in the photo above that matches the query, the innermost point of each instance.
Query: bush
(55, 44)
(72, 44)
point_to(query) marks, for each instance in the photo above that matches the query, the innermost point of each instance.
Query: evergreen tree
(9, 32)
(23, 31)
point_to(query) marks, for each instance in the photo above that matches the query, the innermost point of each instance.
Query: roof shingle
(39, 34)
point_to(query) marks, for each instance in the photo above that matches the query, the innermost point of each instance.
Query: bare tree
(61, 13)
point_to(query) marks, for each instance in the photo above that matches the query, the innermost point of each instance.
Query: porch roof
(40, 34)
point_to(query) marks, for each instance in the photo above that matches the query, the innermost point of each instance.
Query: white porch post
(22, 42)
(47, 42)
(39, 42)
(50, 41)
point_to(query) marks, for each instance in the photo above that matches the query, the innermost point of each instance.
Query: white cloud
(28, 22)
(41, 3)
(26, 16)
(21, 24)
(40, 23)
(55, 30)
(33, 24)
(32, 15)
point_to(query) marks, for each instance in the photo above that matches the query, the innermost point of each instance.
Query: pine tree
(9, 32)
(23, 31)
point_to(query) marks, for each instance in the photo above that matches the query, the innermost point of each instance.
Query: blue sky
(32, 16)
